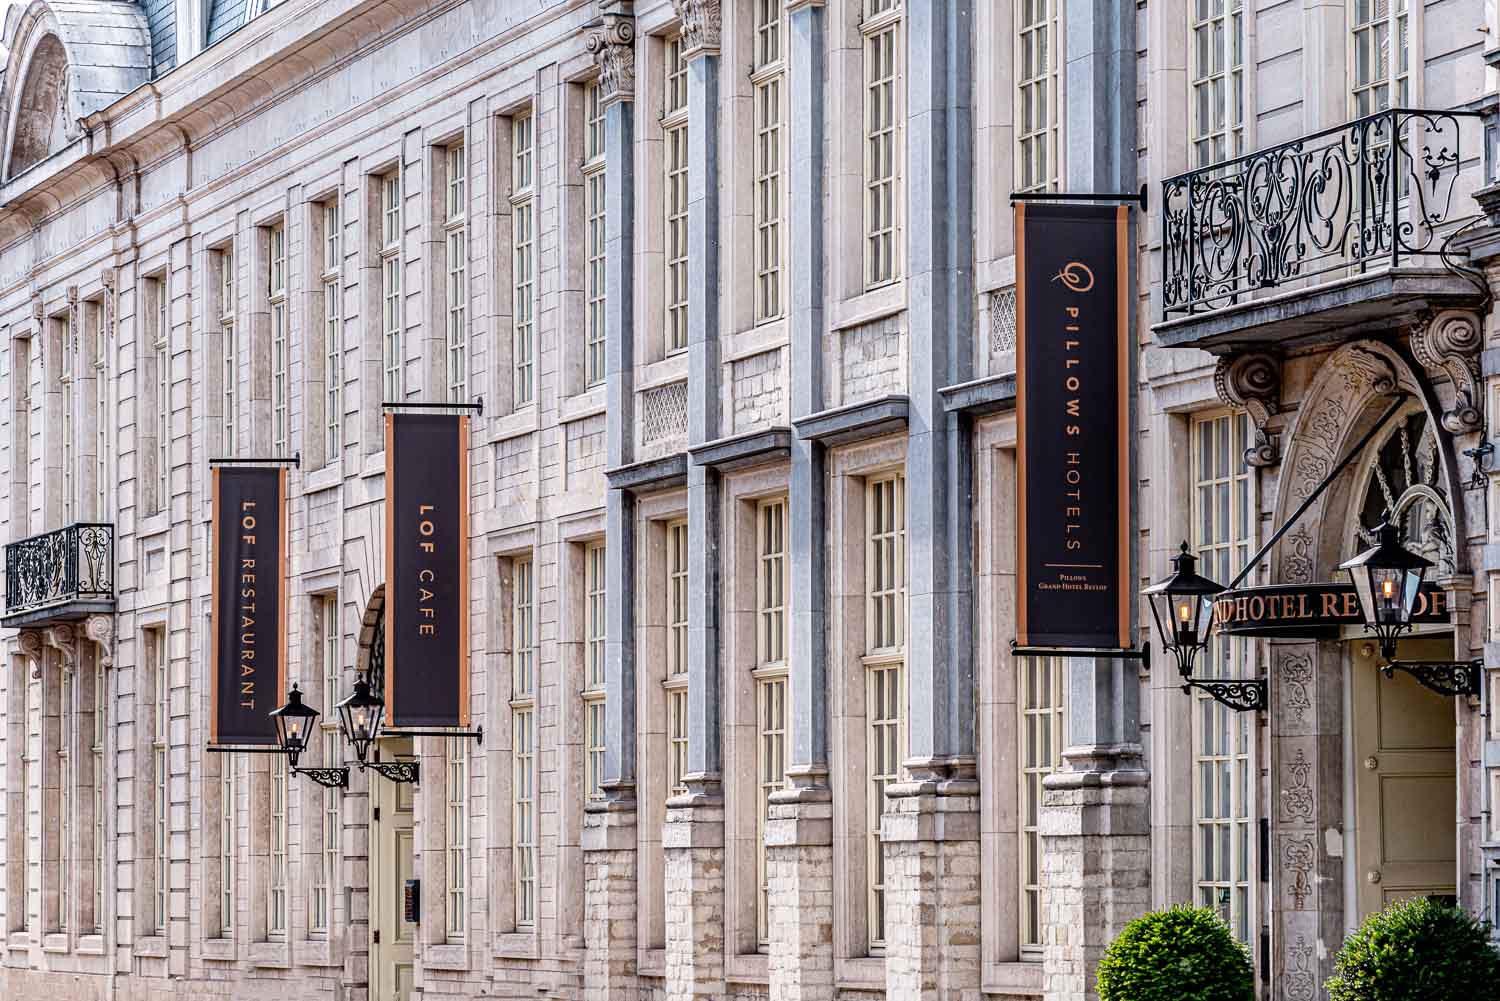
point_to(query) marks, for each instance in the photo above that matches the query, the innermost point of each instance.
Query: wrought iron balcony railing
(1365, 195)
(76, 563)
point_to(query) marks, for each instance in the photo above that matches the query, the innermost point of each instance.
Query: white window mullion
(768, 82)
(594, 682)
(1038, 97)
(280, 360)
(771, 689)
(1039, 700)
(161, 344)
(393, 343)
(674, 126)
(523, 257)
(884, 66)
(594, 276)
(1218, 80)
(229, 355)
(333, 331)
(885, 675)
(1381, 71)
(457, 244)
(523, 739)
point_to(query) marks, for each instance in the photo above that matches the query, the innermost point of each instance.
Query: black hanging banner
(248, 630)
(1072, 320)
(427, 583)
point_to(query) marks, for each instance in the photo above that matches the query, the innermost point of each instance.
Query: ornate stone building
(735, 283)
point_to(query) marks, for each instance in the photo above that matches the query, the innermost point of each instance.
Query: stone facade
(736, 284)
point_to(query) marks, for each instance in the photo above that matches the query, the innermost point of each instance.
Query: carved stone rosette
(701, 25)
(1448, 342)
(1252, 382)
(613, 48)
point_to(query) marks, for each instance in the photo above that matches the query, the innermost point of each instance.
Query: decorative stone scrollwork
(1252, 382)
(1449, 342)
(101, 629)
(613, 48)
(702, 22)
(62, 639)
(30, 642)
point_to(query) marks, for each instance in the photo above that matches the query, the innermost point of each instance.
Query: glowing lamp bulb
(1388, 589)
(1184, 611)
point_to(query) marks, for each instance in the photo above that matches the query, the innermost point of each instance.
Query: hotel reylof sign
(1072, 430)
(249, 626)
(427, 584)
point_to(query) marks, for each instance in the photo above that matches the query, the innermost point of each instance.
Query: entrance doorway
(1405, 783)
(391, 937)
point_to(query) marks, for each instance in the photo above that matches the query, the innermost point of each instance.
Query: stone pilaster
(799, 880)
(930, 835)
(609, 904)
(1096, 868)
(693, 843)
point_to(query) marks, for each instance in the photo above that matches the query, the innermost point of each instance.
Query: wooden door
(392, 939)
(1405, 785)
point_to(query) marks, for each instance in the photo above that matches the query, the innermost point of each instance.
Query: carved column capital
(1252, 382)
(101, 629)
(107, 278)
(702, 24)
(1448, 342)
(613, 48)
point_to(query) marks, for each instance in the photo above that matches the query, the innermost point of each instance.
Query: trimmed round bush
(1180, 954)
(1417, 949)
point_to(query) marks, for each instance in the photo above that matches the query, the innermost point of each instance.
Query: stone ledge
(690, 825)
(652, 474)
(609, 831)
(855, 422)
(991, 395)
(743, 450)
(1322, 313)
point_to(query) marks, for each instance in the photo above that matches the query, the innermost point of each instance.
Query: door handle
(1373, 877)
(1372, 763)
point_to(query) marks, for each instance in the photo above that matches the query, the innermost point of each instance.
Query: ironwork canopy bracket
(332, 778)
(1446, 677)
(1240, 694)
(1143, 654)
(395, 771)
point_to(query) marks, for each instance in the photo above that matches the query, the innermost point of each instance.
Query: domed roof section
(67, 59)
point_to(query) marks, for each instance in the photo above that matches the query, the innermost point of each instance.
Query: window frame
(1050, 81)
(331, 284)
(65, 333)
(772, 688)
(161, 777)
(229, 352)
(161, 346)
(391, 263)
(523, 707)
(1047, 713)
(674, 205)
(768, 82)
(276, 299)
(523, 275)
(456, 258)
(1218, 141)
(1394, 79)
(595, 184)
(595, 601)
(675, 684)
(881, 19)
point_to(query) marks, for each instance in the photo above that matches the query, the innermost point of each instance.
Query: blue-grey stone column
(799, 830)
(609, 827)
(940, 291)
(930, 828)
(704, 698)
(1095, 817)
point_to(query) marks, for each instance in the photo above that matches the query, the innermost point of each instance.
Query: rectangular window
(393, 349)
(1382, 55)
(332, 753)
(883, 52)
(67, 812)
(456, 235)
(1040, 702)
(325, 611)
(1218, 80)
(458, 838)
(333, 332)
(280, 362)
(66, 352)
(885, 692)
(593, 194)
(523, 738)
(593, 692)
(1038, 162)
(96, 787)
(1223, 751)
(156, 644)
(771, 688)
(228, 351)
(162, 362)
(276, 884)
(523, 257)
(677, 663)
(228, 871)
(767, 79)
(674, 126)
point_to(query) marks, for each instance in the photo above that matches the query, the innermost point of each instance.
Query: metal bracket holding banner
(1080, 196)
(475, 734)
(1143, 654)
(1239, 694)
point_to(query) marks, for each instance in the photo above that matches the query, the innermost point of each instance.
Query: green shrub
(1417, 949)
(1181, 954)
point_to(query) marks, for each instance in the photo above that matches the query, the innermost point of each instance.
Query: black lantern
(1177, 604)
(293, 723)
(1387, 578)
(360, 716)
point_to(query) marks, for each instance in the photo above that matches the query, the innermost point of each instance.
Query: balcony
(60, 576)
(1348, 227)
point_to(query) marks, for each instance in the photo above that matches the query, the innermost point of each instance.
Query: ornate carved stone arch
(371, 658)
(1350, 392)
(67, 61)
